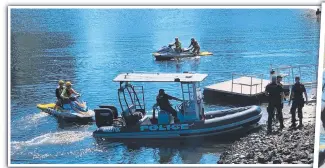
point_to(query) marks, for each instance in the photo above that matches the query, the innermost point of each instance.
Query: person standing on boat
(67, 92)
(164, 104)
(195, 46)
(297, 101)
(58, 92)
(177, 44)
(275, 94)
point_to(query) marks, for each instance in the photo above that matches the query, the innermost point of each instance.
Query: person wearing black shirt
(297, 101)
(164, 104)
(318, 12)
(275, 95)
(58, 92)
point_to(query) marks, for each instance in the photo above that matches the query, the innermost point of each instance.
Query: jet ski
(76, 109)
(168, 53)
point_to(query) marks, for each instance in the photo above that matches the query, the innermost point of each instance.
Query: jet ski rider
(164, 104)
(177, 44)
(58, 92)
(195, 46)
(67, 92)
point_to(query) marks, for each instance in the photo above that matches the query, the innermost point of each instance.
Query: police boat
(135, 123)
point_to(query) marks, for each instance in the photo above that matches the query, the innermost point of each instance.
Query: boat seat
(145, 121)
(164, 117)
(132, 118)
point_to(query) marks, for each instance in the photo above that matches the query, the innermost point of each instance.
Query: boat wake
(64, 137)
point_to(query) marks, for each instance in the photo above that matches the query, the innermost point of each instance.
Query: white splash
(64, 137)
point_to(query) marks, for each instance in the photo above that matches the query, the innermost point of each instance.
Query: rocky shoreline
(287, 146)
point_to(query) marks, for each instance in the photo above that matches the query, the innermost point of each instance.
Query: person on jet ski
(177, 44)
(67, 92)
(195, 46)
(58, 92)
(164, 104)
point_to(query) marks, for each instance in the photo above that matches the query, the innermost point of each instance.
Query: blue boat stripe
(164, 133)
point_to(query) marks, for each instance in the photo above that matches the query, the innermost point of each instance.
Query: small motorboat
(75, 110)
(169, 53)
(135, 123)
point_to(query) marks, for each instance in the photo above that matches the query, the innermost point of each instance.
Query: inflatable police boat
(194, 122)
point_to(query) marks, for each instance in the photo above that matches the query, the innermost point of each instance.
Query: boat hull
(216, 123)
(170, 56)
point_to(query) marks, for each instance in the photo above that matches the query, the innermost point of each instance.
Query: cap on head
(161, 91)
(297, 78)
(176, 38)
(272, 71)
(279, 77)
(192, 39)
(68, 84)
(61, 82)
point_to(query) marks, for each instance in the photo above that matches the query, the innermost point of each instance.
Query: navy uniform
(164, 104)
(274, 92)
(297, 102)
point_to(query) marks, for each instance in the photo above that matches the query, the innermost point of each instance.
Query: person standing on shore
(278, 81)
(297, 101)
(275, 95)
(318, 12)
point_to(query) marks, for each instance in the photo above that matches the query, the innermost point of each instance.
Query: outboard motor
(104, 117)
(113, 108)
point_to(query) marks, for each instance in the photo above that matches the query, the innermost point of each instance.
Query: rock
(304, 161)
(261, 159)
(277, 161)
(288, 146)
(286, 152)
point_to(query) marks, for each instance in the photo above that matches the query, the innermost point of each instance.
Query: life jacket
(67, 92)
(178, 44)
(195, 44)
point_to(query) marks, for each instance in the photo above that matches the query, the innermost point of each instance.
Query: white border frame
(319, 89)
(156, 165)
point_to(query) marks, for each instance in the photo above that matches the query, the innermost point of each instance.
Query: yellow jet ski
(76, 109)
(168, 53)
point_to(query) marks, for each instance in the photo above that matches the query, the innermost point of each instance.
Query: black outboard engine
(104, 117)
(113, 108)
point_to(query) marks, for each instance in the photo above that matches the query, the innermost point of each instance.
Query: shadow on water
(63, 123)
(172, 151)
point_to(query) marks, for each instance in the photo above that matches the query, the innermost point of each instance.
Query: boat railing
(306, 72)
(251, 84)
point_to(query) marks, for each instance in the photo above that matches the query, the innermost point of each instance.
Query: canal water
(89, 47)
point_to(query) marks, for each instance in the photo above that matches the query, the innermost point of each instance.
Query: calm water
(90, 47)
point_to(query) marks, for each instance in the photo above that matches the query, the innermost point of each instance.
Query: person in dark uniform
(297, 101)
(318, 12)
(278, 81)
(164, 104)
(275, 95)
(58, 92)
